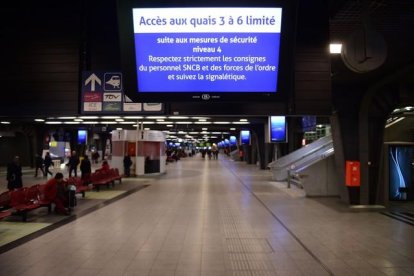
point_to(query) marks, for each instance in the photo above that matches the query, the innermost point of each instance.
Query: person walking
(14, 174)
(39, 165)
(73, 164)
(47, 162)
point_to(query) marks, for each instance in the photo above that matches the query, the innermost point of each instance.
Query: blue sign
(207, 49)
(82, 137)
(245, 137)
(233, 140)
(278, 133)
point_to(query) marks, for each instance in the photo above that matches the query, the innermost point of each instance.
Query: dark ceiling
(393, 19)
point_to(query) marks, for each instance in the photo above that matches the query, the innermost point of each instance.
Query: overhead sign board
(103, 92)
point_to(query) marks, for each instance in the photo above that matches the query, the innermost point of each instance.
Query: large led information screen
(206, 52)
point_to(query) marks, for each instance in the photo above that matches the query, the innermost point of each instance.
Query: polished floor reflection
(218, 217)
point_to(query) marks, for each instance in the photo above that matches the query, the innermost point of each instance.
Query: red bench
(5, 200)
(100, 178)
(115, 176)
(4, 214)
(42, 197)
(22, 201)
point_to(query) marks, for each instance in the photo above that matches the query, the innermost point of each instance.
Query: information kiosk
(145, 147)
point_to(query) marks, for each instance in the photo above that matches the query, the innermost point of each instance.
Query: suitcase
(71, 196)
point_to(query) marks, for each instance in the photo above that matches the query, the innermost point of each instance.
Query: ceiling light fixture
(335, 48)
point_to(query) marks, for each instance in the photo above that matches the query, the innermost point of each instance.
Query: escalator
(311, 168)
(301, 158)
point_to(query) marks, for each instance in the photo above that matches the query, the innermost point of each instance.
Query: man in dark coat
(86, 168)
(73, 163)
(39, 165)
(14, 174)
(127, 165)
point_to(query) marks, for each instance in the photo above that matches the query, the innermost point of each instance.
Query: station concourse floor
(219, 217)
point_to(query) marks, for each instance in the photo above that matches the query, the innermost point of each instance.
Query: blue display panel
(401, 172)
(245, 137)
(206, 52)
(233, 140)
(82, 137)
(308, 123)
(278, 130)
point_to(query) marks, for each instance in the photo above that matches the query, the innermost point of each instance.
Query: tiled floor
(209, 217)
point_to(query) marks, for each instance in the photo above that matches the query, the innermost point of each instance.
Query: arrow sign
(93, 79)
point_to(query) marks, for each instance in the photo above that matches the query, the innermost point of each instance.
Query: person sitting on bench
(55, 192)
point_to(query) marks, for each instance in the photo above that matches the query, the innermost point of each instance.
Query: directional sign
(93, 80)
(103, 92)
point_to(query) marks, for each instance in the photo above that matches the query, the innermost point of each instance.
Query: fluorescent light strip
(89, 117)
(133, 117)
(240, 123)
(53, 123)
(109, 122)
(178, 117)
(39, 120)
(71, 123)
(110, 117)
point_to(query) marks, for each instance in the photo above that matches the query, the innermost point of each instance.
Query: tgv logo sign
(112, 97)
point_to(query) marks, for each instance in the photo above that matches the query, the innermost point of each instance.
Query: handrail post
(288, 179)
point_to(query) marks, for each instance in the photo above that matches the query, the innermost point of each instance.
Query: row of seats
(21, 201)
(104, 178)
